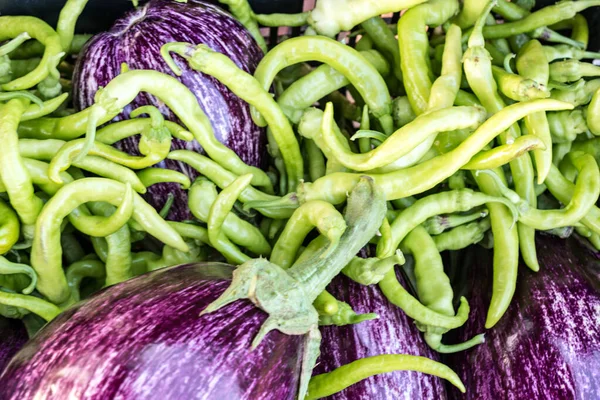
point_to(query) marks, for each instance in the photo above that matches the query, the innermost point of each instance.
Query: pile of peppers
(478, 120)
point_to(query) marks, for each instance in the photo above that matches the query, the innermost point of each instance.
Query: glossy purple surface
(136, 39)
(547, 345)
(12, 337)
(144, 339)
(392, 333)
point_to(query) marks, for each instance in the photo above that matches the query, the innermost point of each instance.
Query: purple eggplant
(547, 346)
(12, 337)
(136, 39)
(144, 339)
(392, 333)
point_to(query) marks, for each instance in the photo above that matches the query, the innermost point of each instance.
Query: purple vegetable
(12, 337)
(392, 333)
(547, 346)
(144, 339)
(136, 39)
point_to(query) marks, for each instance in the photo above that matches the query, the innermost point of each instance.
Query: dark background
(99, 14)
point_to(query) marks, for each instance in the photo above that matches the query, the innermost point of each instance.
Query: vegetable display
(155, 177)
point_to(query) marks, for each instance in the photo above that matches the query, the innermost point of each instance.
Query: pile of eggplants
(547, 346)
(135, 41)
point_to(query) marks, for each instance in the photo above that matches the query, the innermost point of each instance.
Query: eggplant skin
(12, 337)
(144, 339)
(136, 39)
(547, 345)
(392, 333)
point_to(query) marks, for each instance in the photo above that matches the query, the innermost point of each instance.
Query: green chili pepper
(202, 196)
(470, 11)
(363, 76)
(546, 16)
(433, 288)
(319, 214)
(10, 268)
(593, 114)
(13, 26)
(219, 211)
(506, 253)
(462, 236)
(504, 154)
(41, 307)
(566, 125)
(563, 51)
(563, 190)
(243, 13)
(581, 94)
(548, 35)
(324, 385)
(13, 173)
(439, 223)
(152, 176)
(330, 18)
(478, 70)
(9, 227)
(120, 130)
(87, 268)
(322, 81)
(35, 111)
(279, 19)
(316, 160)
(584, 196)
(345, 316)
(377, 29)
(402, 111)
(572, 70)
(518, 88)
(531, 65)
(414, 51)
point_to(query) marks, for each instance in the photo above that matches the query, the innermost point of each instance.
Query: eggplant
(12, 337)
(547, 346)
(144, 338)
(392, 333)
(136, 39)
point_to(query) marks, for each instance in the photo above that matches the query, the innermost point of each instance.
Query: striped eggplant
(392, 333)
(12, 337)
(136, 39)
(547, 346)
(144, 339)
